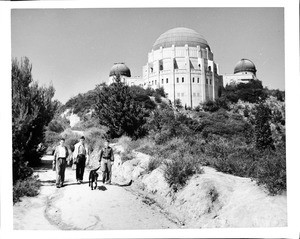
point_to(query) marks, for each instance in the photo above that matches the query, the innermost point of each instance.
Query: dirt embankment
(211, 199)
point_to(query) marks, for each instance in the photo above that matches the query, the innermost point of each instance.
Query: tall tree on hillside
(263, 134)
(32, 110)
(117, 108)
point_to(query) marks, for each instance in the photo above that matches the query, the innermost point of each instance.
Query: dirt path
(78, 207)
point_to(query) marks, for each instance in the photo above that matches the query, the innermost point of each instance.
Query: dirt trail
(78, 207)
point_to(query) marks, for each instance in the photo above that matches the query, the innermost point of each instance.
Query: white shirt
(76, 150)
(61, 152)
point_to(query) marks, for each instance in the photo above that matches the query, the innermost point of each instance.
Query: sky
(74, 49)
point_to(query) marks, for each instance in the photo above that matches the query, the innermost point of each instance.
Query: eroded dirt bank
(211, 199)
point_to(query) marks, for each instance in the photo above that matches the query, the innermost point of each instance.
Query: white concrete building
(182, 63)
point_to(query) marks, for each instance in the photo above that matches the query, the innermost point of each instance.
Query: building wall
(241, 77)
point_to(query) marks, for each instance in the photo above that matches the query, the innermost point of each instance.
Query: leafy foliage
(118, 109)
(252, 92)
(179, 169)
(32, 110)
(28, 187)
(82, 103)
(263, 135)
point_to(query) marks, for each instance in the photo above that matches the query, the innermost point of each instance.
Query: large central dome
(179, 37)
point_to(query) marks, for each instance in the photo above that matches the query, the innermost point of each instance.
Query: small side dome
(120, 69)
(245, 65)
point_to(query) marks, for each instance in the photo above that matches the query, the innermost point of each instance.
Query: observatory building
(120, 69)
(244, 71)
(182, 62)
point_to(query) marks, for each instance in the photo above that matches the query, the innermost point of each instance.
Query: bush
(58, 124)
(179, 168)
(263, 134)
(28, 187)
(126, 143)
(271, 171)
(51, 139)
(154, 163)
(127, 155)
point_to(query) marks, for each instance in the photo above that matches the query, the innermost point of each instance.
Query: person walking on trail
(80, 158)
(61, 154)
(106, 161)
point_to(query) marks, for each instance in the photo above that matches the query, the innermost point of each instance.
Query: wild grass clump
(28, 187)
(179, 168)
(154, 163)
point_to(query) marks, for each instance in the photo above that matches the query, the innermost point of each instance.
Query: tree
(252, 92)
(263, 134)
(32, 110)
(117, 109)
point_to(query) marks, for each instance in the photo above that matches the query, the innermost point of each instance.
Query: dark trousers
(106, 170)
(80, 166)
(60, 170)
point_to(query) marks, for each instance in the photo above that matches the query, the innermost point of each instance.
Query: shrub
(179, 168)
(271, 171)
(178, 104)
(28, 187)
(127, 155)
(58, 124)
(149, 149)
(154, 163)
(51, 139)
(157, 98)
(263, 134)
